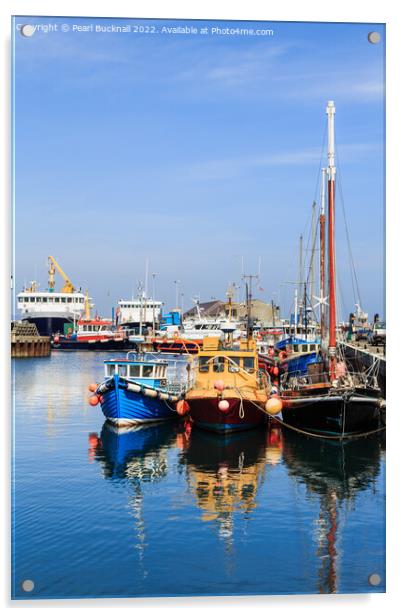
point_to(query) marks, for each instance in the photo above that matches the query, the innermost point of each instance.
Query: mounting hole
(374, 579)
(28, 585)
(374, 37)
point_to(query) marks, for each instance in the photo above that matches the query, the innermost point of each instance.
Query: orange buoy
(182, 407)
(219, 385)
(92, 387)
(275, 371)
(93, 439)
(94, 400)
(273, 406)
(223, 406)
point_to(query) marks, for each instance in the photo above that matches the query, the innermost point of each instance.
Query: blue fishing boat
(297, 353)
(144, 387)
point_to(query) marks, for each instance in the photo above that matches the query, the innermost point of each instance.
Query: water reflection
(337, 472)
(138, 453)
(224, 474)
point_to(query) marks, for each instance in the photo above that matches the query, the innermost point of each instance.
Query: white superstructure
(197, 329)
(47, 304)
(141, 310)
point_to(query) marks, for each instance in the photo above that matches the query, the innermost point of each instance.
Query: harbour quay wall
(26, 342)
(366, 355)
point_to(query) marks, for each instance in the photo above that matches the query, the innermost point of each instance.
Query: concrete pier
(26, 342)
(362, 353)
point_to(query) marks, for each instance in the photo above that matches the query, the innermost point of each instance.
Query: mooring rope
(340, 437)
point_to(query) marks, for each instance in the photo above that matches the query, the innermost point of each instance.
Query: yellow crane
(53, 266)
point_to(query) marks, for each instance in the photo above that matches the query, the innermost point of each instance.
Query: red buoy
(182, 407)
(94, 400)
(92, 387)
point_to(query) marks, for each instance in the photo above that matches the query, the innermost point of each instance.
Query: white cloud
(223, 169)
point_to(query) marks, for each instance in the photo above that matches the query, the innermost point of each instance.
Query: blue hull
(124, 408)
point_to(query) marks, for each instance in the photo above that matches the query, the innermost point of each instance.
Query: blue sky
(193, 151)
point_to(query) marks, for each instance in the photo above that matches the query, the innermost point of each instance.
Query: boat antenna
(146, 276)
(300, 263)
(249, 278)
(313, 250)
(331, 239)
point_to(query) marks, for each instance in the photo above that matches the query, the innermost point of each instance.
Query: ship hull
(122, 407)
(334, 415)
(48, 325)
(107, 344)
(206, 414)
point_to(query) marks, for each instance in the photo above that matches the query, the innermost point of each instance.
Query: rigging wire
(355, 283)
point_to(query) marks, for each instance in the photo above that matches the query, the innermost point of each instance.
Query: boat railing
(298, 380)
(180, 377)
(147, 357)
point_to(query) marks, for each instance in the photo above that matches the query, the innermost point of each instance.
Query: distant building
(260, 311)
(214, 308)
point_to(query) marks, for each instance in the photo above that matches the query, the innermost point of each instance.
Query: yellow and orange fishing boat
(230, 392)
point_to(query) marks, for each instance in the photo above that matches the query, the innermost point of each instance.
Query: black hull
(335, 416)
(49, 325)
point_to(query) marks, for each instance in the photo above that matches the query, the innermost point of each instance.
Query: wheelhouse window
(147, 371)
(122, 370)
(203, 365)
(57, 299)
(234, 364)
(304, 348)
(110, 369)
(248, 364)
(135, 371)
(219, 364)
(295, 348)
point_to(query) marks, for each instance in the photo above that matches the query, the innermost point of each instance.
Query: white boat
(48, 310)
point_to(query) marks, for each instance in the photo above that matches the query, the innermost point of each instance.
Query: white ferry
(48, 310)
(51, 310)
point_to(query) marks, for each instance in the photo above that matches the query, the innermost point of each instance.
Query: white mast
(331, 238)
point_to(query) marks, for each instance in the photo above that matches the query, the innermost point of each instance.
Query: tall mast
(322, 253)
(301, 277)
(331, 238)
(313, 250)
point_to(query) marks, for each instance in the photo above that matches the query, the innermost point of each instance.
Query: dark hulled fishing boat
(326, 397)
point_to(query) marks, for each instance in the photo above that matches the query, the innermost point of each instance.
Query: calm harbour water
(155, 511)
